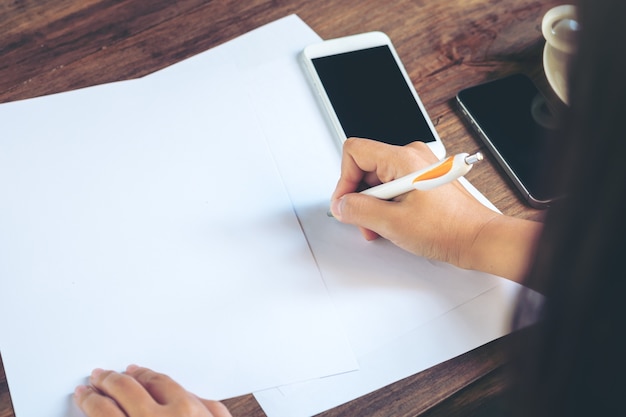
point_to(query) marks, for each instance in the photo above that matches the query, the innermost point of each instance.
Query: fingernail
(335, 208)
(131, 368)
(80, 390)
(96, 372)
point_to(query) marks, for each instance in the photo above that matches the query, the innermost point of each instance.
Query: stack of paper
(179, 222)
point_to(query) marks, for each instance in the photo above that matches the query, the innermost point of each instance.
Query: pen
(428, 178)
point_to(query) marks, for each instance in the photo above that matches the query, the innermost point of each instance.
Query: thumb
(364, 211)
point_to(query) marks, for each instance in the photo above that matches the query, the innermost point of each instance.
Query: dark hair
(573, 361)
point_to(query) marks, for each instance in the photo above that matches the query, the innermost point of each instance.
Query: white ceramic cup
(559, 27)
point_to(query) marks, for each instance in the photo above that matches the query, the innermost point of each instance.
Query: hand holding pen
(439, 173)
(438, 224)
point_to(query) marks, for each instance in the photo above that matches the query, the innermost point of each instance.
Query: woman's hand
(446, 223)
(141, 392)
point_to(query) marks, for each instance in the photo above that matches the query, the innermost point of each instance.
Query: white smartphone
(366, 92)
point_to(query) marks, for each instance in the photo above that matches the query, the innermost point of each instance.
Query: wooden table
(49, 46)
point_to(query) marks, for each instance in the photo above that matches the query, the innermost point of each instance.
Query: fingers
(358, 159)
(216, 408)
(141, 392)
(127, 392)
(95, 404)
(138, 391)
(369, 213)
(373, 162)
(423, 151)
(161, 387)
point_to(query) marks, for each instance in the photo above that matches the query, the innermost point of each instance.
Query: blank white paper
(146, 222)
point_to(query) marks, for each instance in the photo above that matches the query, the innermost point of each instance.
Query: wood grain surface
(49, 46)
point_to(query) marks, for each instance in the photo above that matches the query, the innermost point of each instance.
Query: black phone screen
(514, 118)
(371, 98)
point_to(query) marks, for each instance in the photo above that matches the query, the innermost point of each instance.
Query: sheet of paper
(479, 321)
(146, 222)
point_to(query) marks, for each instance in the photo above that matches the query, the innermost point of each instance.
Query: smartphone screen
(516, 123)
(371, 98)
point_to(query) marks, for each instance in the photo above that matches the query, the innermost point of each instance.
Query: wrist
(502, 245)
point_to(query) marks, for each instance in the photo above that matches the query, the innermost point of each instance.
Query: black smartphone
(516, 123)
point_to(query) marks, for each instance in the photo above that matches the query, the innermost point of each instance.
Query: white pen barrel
(428, 178)
(402, 185)
(392, 189)
(459, 168)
